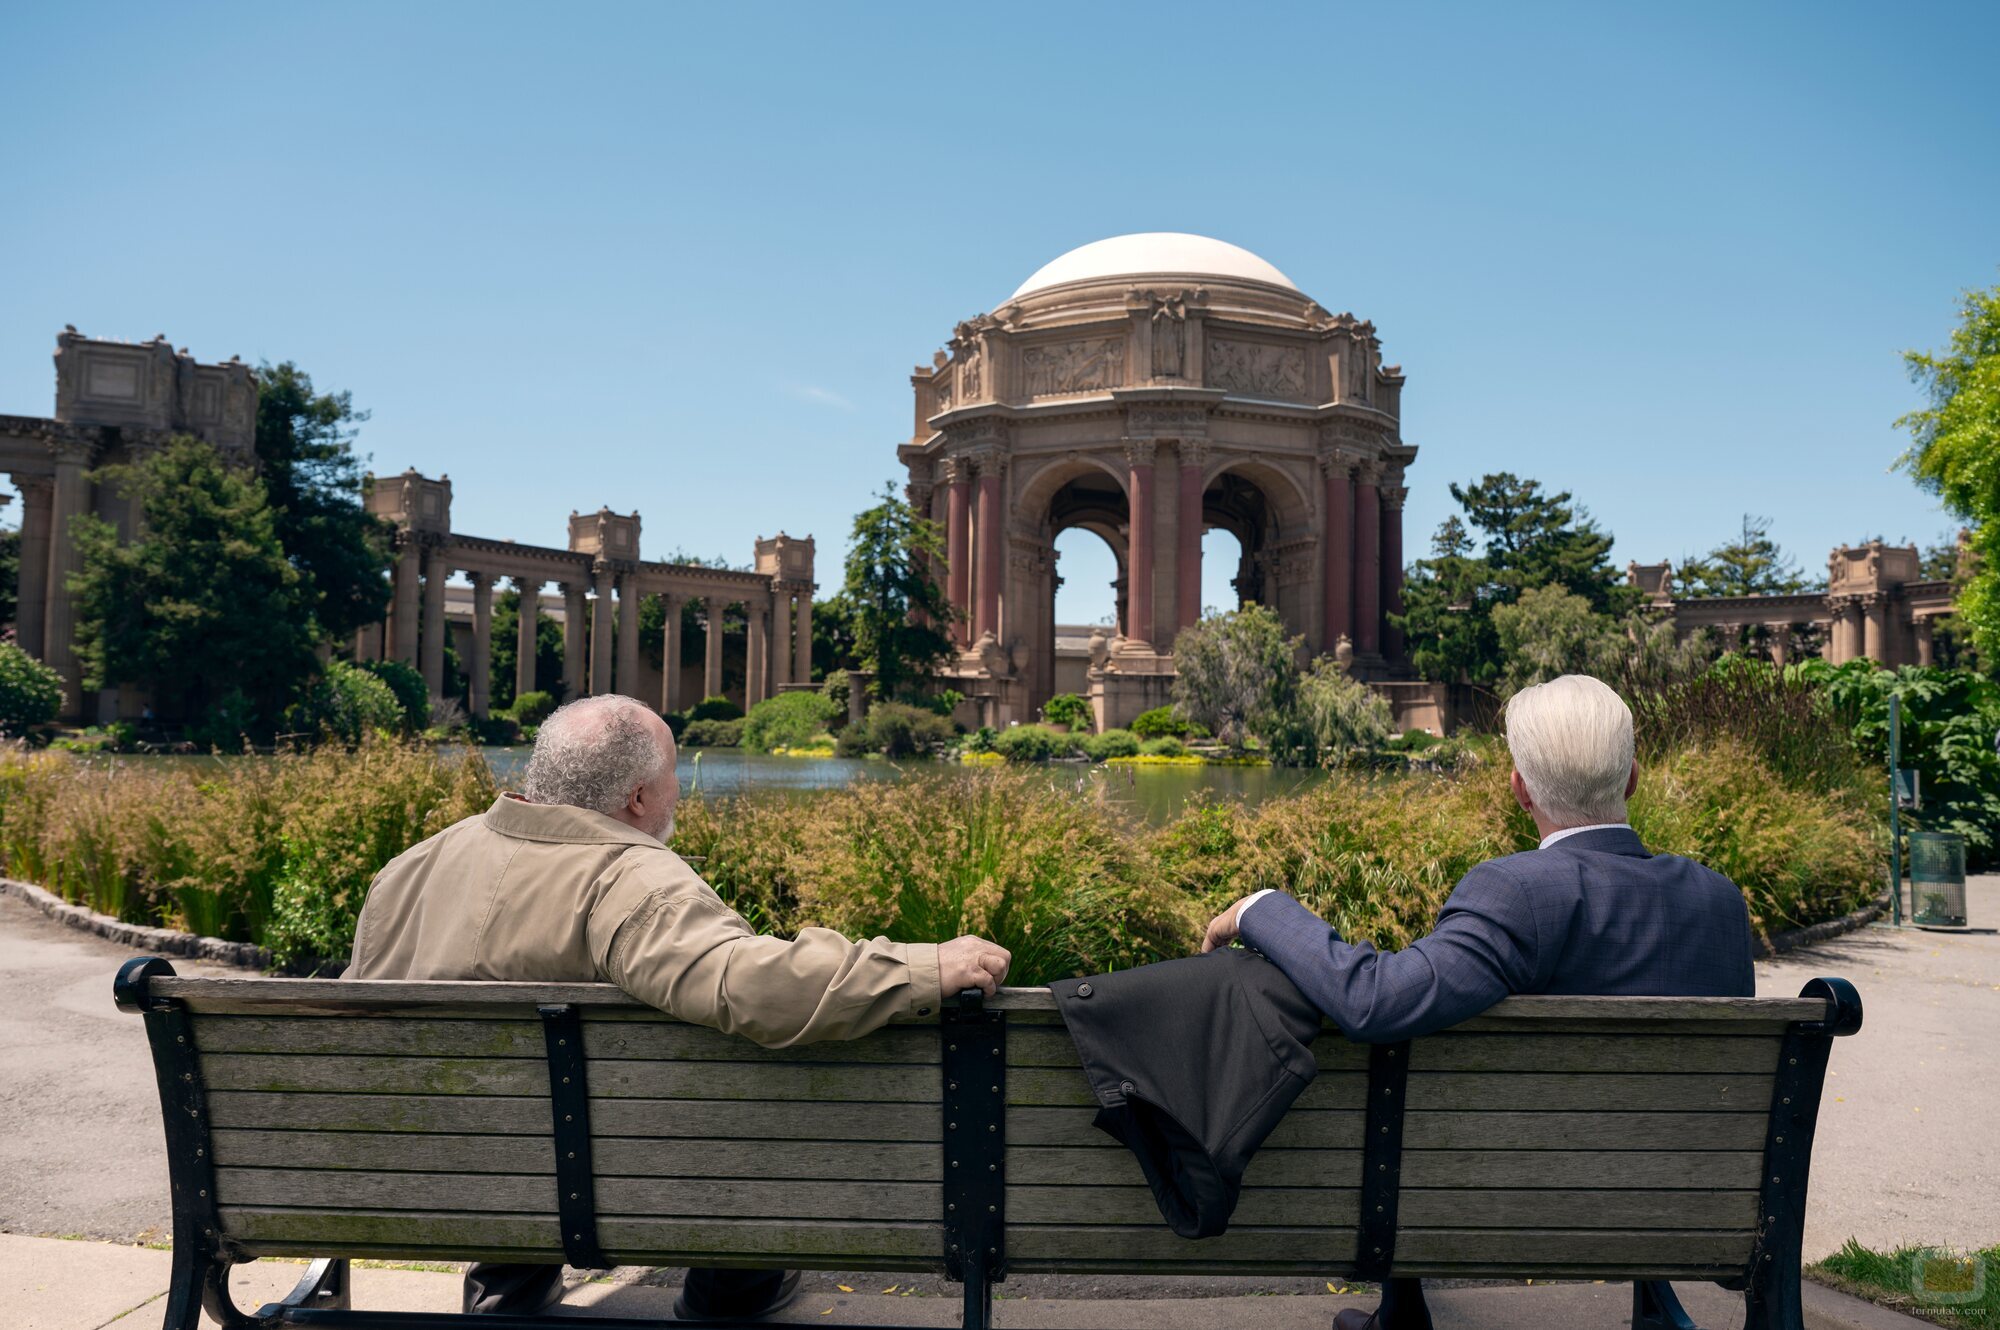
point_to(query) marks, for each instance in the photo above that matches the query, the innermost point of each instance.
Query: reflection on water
(1155, 794)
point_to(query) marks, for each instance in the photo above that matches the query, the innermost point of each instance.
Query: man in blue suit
(1587, 912)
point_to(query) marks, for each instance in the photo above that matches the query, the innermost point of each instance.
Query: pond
(1153, 793)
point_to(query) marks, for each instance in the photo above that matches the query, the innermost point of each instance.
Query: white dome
(1155, 254)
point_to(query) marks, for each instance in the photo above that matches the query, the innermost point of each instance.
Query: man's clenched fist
(972, 962)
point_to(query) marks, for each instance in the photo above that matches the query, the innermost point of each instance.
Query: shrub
(410, 690)
(1033, 743)
(344, 703)
(715, 707)
(117, 737)
(1164, 746)
(713, 733)
(789, 720)
(1069, 709)
(894, 729)
(677, 722)
(944, 701)
(532, 708)
(1112, 743)
(497, 730)
(30, 692)
(1159, 723)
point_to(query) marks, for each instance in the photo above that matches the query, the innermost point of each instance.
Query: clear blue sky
(682, 258)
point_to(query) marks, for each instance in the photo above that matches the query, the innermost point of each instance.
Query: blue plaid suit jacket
(1593, 913)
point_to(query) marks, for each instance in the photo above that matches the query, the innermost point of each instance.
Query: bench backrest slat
(1551, 1136)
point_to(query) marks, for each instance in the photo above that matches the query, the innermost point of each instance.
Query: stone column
(670, 655)
(1368, 560)
(600, 633)
(37, 501)
(958, 546)
(1779, 635)
(992, 553)
(757, 659)
(802, 637)
(576, 627)
(480, 668)
(1926, 647)
(1337, 553)
(1872, 609)
(1139, 462)
(781, 638)
(1392, 567)
(70, 499)
(1187, 554)
(628, 636)
(525, 634)
(711, 679)
(1849, 629)
(406, 589)
(437, 568)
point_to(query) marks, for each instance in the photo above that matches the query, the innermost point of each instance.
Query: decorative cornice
(1177, 422)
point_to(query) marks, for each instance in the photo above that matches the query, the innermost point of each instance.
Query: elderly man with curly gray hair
(572, 880)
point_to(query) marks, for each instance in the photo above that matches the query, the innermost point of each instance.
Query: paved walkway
(1907, 1153)
(48, 1285)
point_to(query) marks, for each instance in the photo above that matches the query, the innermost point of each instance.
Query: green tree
(204, 603)
(1529, 539)
(1237, 673)
(548, 646)
(312, 478)
(1552, 631)
(833, 648)
(900, 615)
(1750, 565)
(10, 574)
(1955, 451)
(1334, 717)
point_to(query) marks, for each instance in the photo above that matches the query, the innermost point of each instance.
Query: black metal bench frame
(973, 1047)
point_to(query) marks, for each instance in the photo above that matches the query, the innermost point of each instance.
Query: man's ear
(1520, 789)
(1632, 781)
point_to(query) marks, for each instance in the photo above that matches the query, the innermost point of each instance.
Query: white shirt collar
(1555, 836)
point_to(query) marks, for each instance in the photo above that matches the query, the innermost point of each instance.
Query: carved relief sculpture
(1073, 367)
(1169, 335)
(1257, 369)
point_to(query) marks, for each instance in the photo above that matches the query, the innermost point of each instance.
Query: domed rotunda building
(1148, 388)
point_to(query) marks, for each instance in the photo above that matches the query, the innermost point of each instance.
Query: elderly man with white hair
(1589, 911)
(572, 880)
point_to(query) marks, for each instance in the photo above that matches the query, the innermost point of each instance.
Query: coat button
(1083, 990)
(1126, 1087)
(923, 1011)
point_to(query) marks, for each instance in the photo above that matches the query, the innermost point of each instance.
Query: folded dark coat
(1193, 1062)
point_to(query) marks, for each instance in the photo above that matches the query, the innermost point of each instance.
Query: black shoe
(735, 1295)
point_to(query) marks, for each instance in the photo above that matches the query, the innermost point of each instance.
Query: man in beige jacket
(572, 880)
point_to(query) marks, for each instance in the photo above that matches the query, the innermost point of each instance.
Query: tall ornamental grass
(277, 851)
(280, 850)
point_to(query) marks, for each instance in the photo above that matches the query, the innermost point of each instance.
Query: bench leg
(1772, 1301)
(1655, 1306)
(327, 1283)
(978, 1296)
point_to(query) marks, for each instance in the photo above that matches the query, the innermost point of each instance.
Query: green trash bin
(1937, 879)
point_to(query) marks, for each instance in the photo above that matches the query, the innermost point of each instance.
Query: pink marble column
(958, 546)
(1337, 553)
(1187, 552)
(1392, 567)
(992, 557)
(1368, 559)
(1139, 619)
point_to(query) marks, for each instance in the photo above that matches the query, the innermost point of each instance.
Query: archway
(1082, 512)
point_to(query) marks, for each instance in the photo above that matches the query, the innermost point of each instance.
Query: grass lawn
(1949, 1278)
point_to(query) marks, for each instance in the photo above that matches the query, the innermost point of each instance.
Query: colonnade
(600, 619)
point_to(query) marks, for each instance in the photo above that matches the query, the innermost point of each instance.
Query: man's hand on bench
(972, 962)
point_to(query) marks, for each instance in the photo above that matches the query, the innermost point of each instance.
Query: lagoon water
(1153, 793)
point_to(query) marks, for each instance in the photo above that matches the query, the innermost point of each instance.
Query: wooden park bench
(1647, 1139)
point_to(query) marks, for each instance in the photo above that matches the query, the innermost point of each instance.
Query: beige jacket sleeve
(682, 950)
